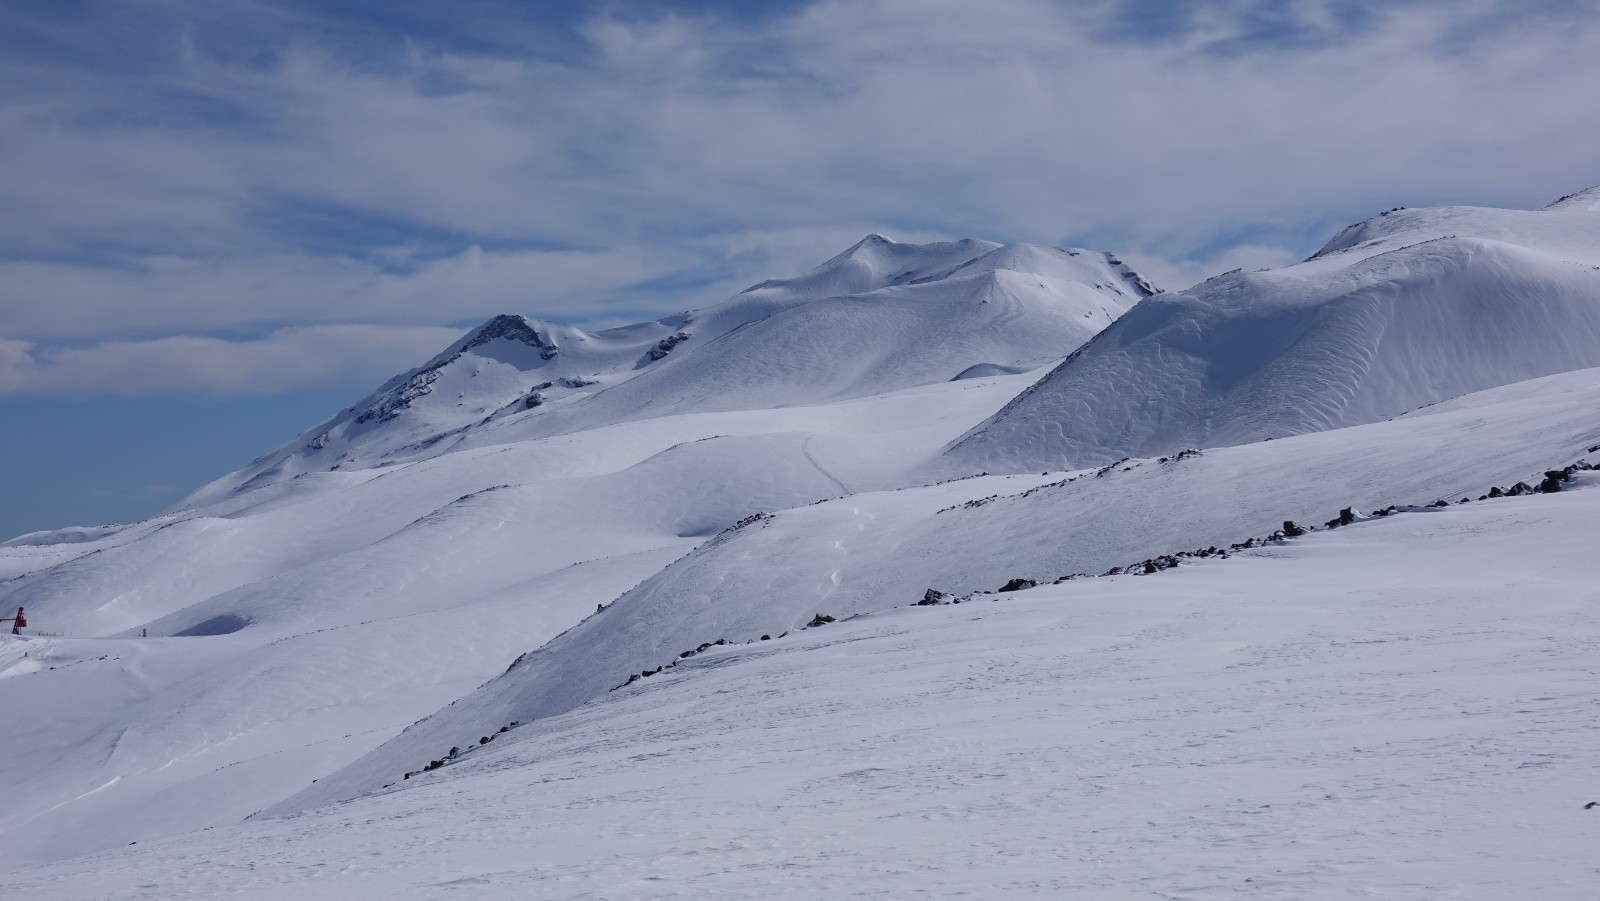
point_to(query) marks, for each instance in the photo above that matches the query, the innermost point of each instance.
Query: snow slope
(305, 622)
(1408, 308)
(1403, 708)
(872, 551)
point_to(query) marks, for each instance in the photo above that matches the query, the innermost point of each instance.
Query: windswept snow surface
(872, 551)
(1404, 708)
(1408, 308)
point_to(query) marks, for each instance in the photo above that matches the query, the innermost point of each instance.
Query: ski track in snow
(805, 448)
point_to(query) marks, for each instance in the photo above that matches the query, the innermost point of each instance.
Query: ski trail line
(805, 448)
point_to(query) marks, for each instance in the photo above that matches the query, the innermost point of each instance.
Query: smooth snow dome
(1408, 308)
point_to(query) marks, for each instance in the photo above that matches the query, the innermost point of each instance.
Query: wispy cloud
(283, 360)
(251, 169)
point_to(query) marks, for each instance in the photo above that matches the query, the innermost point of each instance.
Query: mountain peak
(514, 327)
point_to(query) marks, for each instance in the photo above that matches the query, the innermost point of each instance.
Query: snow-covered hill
(1408, 308)
(1402, 708)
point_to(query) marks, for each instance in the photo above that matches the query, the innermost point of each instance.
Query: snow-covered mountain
(555, 587)
(1408, 308)
(877, 317)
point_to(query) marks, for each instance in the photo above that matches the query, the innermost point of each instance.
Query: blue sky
(222, 220)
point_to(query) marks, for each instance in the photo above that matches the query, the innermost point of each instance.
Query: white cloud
(150, 295)
(1176, 275)
(283, 360)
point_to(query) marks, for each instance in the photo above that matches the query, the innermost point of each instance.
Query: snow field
(1388, 710)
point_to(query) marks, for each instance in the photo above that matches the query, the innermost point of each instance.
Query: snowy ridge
(1406, 309)
(1016, 306)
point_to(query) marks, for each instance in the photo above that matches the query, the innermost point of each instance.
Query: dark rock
(931, 597)
(665, 345)
(1018, 584)
(821, 619)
